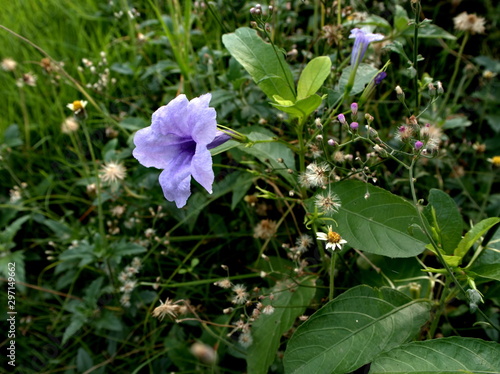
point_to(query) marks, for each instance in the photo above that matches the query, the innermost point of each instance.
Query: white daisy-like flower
(333, 239)
(77, 106)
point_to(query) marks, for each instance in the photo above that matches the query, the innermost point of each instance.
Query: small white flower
(333, 239)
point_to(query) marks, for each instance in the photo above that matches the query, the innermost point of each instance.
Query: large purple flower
(362, 39)
(178, 141)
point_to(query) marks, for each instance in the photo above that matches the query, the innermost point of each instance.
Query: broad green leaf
(429, 31)
(400, 18)
(301, 108)
(290, 301)
(268, 153)
(352, 329)
(313, 76)
(442, 213)
(243, 184)
(364, 75)
(83, 360)
(446, 355)
(374, 220)
(456, 122)
(474, 234)
(265, 63)
(488, 264)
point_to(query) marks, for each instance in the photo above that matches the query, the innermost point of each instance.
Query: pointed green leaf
(374, 220)
(301, 108)
(488, 264)
(352, 329)
(265, 63)
(429, 31)
(446, 219)
(313, 76)
(290, 301)
(364, 75)
(446, 355)
(474, 234)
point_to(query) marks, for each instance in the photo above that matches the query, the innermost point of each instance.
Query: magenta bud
(418, 144)
(354, 108)
(341, 118)
(354, 126)
(331, 142)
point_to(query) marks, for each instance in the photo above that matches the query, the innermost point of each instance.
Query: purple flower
(380, 77)
(354, 126)
(418, 144)
(361, 41)
(178, 141)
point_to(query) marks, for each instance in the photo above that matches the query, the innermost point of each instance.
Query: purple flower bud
(380, 77)
(354, 108)
(418, 144)
(331, 142)
(354, 126)
(341, 118)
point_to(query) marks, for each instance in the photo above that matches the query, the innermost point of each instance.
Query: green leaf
(268, 153)
(290, 301)
(124, 248)
(429, 31)
(301, 108)
(83, 360)
(265, 63)
(474, 234)
(16, 258)
(12, 136)
(313, 76)
(488, 264)
(242, 186)
(352, 329)
(7, 235)
(442, 212)
(446, 355)
(381, 224)
(457, 122)
(77, 321)
(364, 75)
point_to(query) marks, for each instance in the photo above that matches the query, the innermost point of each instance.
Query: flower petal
(201, 167)
(155, 149)
(176, 186)
(202, 119)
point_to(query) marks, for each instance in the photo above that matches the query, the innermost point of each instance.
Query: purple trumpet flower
(178, 141)
(362, 39)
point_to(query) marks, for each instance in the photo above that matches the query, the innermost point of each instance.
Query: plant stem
(415, 57)
(449, 88)
(332, 275)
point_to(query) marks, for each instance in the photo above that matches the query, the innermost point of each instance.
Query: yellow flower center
(77, 105)
(333, 237)
(496, 160)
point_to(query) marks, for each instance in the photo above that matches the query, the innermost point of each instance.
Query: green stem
(100, 213)
(435, 246)
(332, 275)
(415, 57)
(449, 87)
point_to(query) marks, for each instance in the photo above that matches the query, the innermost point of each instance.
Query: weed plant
(349, 225)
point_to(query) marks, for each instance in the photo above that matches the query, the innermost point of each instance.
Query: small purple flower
(354, 109)
(341, 118)
(178, 141)
(354, 126)
(380, 77)
(418, 145)
(331, 142)
(362, 39)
